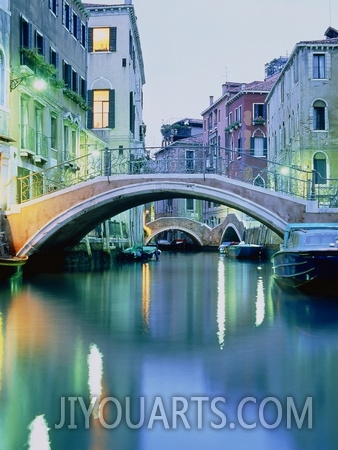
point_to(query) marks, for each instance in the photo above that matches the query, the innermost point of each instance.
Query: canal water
(195, 351)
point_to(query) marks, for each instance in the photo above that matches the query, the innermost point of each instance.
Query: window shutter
(252, 146)
(112, 36)
(265, 146)
(264, 112)
(90, 39)
(30, 35)
(51, 4)
(90, 111)
(71, 20)
(111, 120)
(57, 8)
(63, 13)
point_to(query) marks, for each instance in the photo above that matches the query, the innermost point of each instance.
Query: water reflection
(189, 326)
(95, 369)
(38, 437)
(260, 302)
(221, 314)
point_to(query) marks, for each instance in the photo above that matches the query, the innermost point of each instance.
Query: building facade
(115, 93)
(302, 111)
(47, 93)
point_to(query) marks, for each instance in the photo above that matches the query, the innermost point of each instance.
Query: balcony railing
(33, 143)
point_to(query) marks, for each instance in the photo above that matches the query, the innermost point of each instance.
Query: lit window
(101, 108)
(101, 39)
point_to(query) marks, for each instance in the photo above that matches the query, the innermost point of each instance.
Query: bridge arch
(64, 217)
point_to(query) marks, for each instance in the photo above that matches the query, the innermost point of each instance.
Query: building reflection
(145, 296)
(221, 313)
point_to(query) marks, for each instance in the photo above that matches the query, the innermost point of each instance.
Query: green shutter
(90, 39)
(111, 120)
(112, 37)
(90, 111)
(252, 146)
(265, 148)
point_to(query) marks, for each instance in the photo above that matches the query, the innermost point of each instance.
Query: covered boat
(308, 258)
(246, 251)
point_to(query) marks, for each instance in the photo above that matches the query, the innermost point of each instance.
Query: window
(67, 74)
(54, 6)
(83, 88)
(75, 81)
(39, 43)
(319, 115)
(259, 111)
(102, 39)
(318, 66)
(189, 202)
(25, 33)
(76, 22)
(189, 160)
(53, 126)
(102, 103)
(101, 108)
(319, 165)
(83, 35)
(53, 58)
(258, 146)
(66, 15)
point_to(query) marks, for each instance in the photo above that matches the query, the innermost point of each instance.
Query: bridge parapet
(110, 163)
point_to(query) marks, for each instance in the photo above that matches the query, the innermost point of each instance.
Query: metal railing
(110, 162)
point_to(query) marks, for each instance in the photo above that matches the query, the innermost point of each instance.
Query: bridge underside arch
(61, 219)
(194, 237)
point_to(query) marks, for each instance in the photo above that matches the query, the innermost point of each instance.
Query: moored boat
(246, 251)
(308, 258)
(139, 252)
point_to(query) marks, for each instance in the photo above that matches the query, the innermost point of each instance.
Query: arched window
(259, 181)
(320, 167)
(319, 115)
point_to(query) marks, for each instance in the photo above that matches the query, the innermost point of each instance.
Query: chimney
(128, 2)
(211, 99)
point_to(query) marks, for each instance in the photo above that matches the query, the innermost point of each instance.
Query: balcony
(258, 120)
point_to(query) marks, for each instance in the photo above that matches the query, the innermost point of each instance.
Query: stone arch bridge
(200, 233)
(64, 217)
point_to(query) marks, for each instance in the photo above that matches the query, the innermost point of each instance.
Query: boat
(176, 245)
(12, 261)
(246, 251)
(223, 248)
(308, 258)
(139, 252)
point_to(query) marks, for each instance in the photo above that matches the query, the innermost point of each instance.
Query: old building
(302, 111)
(115, 92)
(47, 97)
(235, 134)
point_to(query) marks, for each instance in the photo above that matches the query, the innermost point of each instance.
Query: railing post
(313, 185)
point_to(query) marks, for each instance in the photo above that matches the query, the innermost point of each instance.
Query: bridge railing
(111, 162)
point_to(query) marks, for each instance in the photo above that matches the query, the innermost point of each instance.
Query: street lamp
(38, 83)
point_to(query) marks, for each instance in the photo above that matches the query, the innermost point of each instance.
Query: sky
(191, 47)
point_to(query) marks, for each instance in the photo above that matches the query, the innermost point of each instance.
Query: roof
(194, 140)
(302, 44)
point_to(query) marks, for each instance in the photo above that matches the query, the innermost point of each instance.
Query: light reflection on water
(188, 326)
